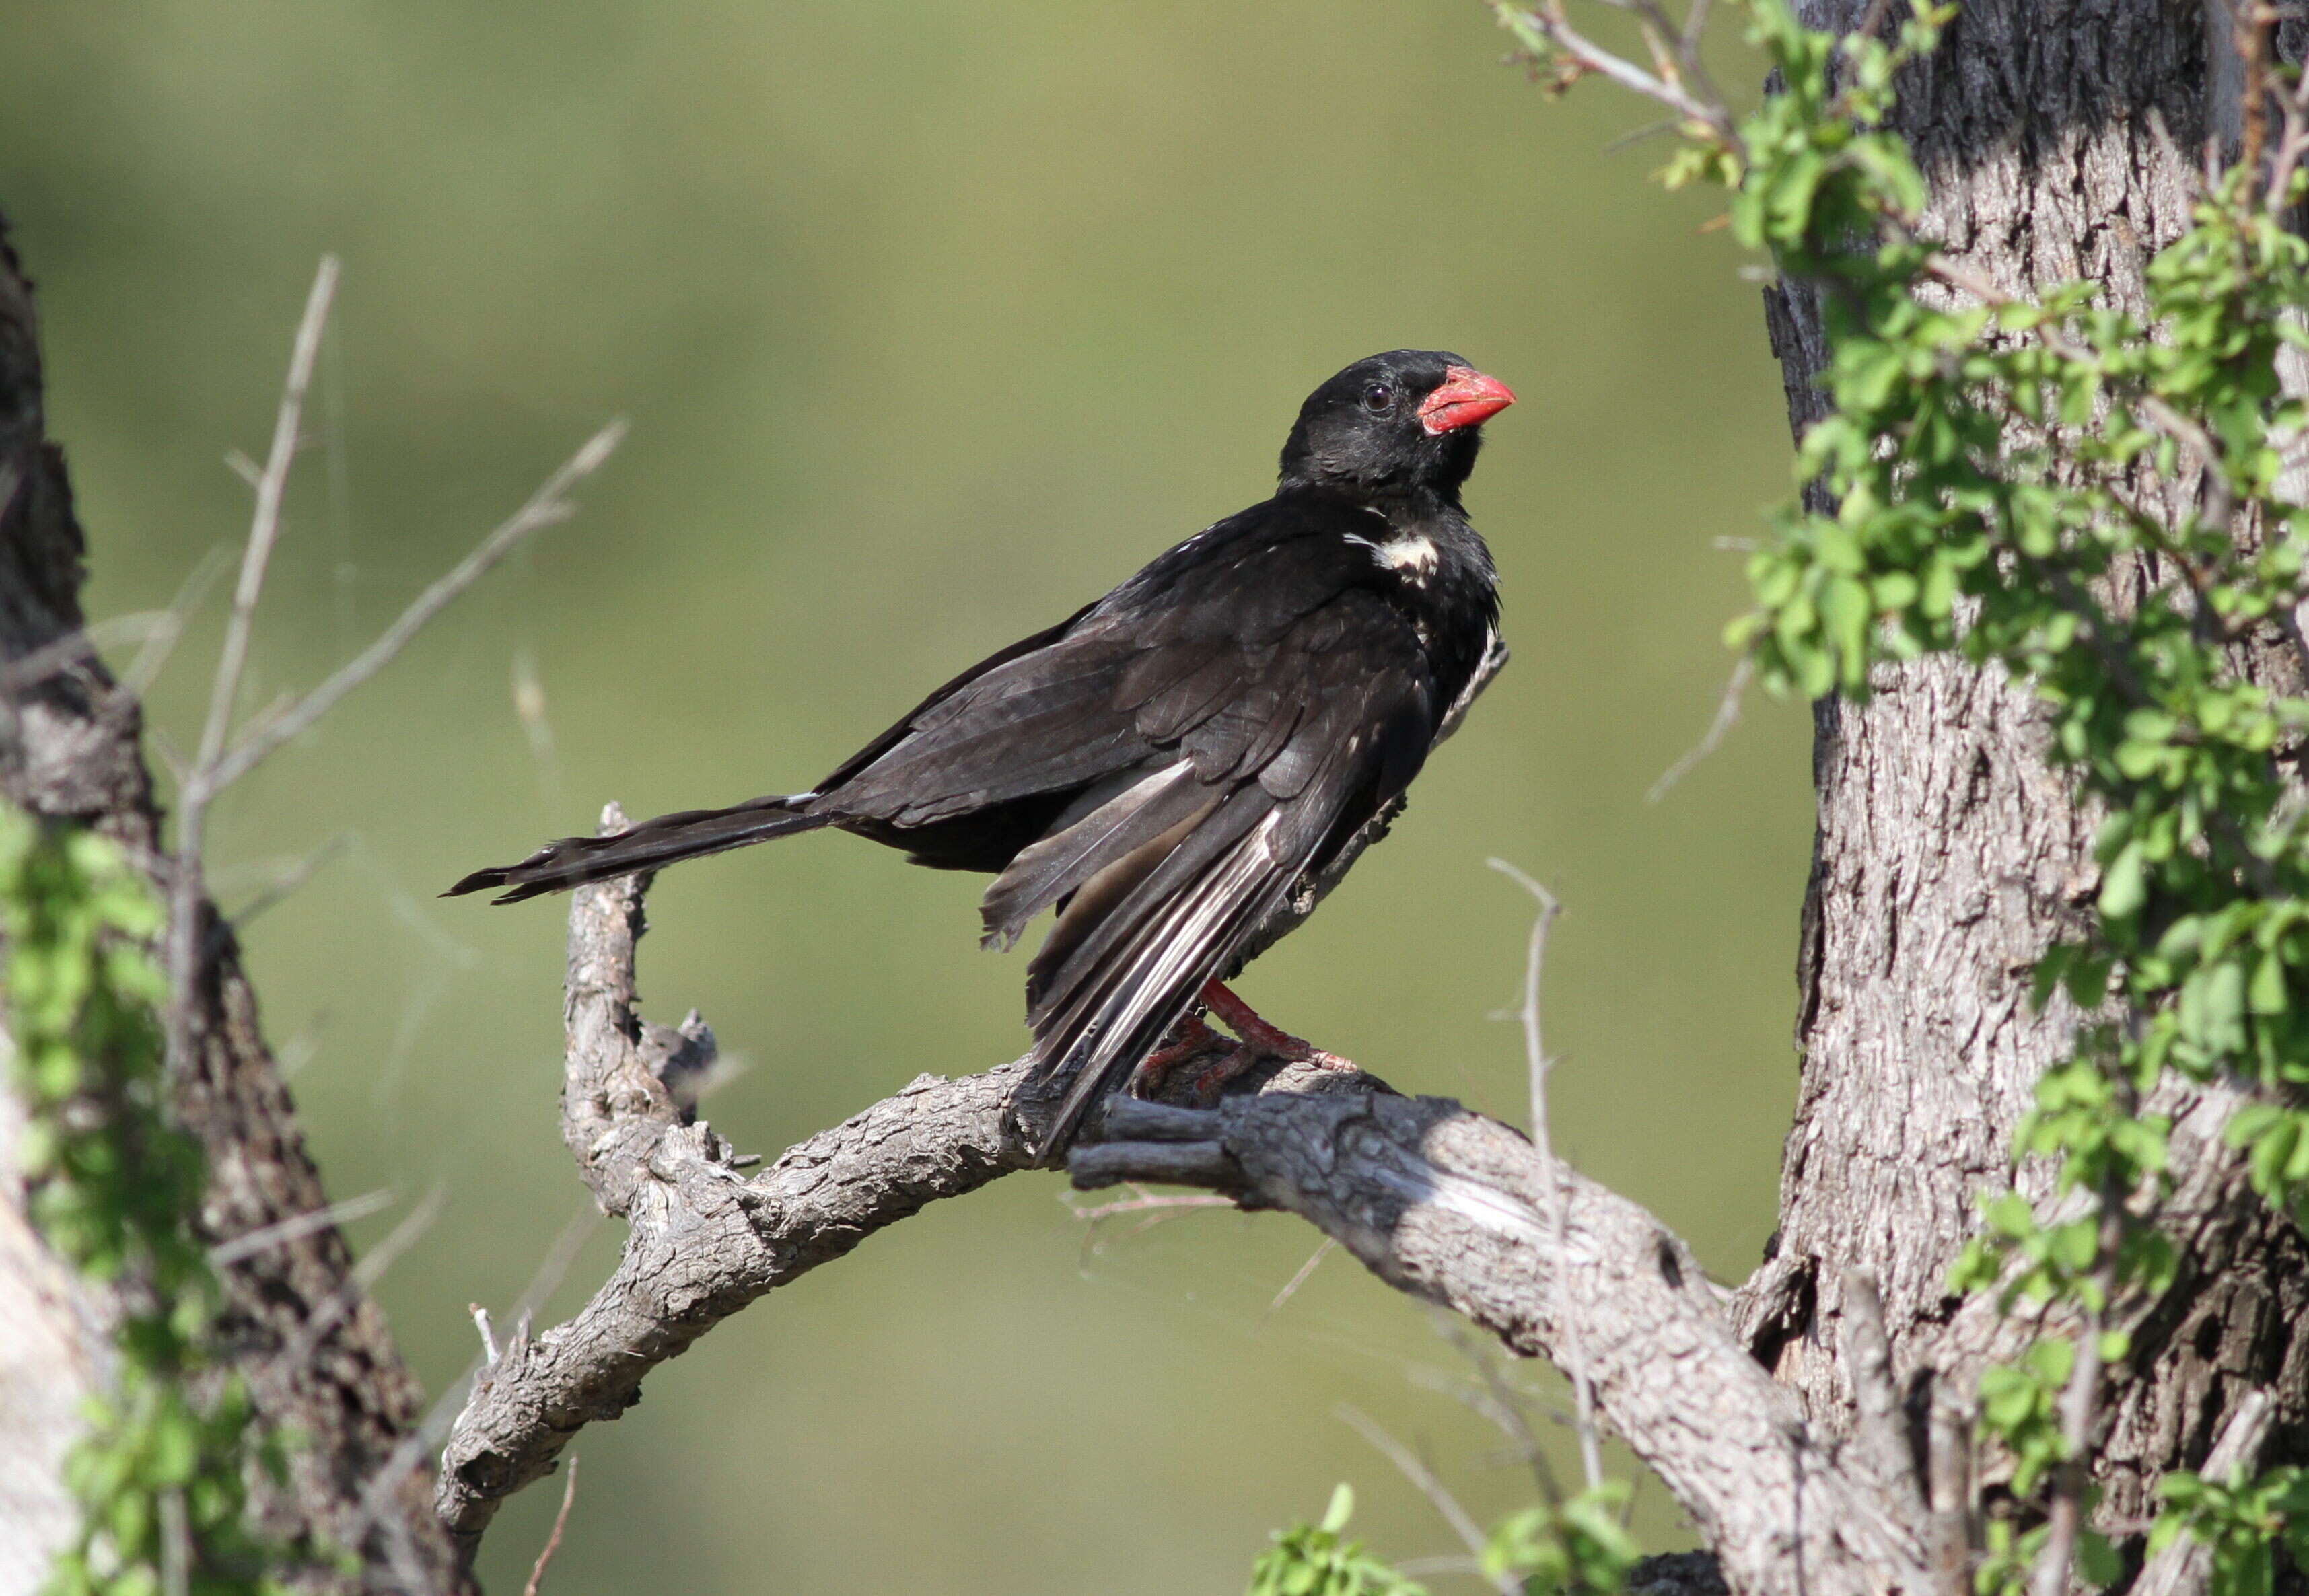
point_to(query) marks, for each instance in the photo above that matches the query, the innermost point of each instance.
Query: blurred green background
(933, 321)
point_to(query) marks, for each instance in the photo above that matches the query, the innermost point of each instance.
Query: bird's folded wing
(1162, 882)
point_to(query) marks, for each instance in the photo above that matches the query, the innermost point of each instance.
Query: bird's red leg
(1223, 1059)
(1263, 1038)
(1189, 1037)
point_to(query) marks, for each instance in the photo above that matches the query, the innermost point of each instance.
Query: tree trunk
(69, 749)
(1948, 854)
(2059, 143)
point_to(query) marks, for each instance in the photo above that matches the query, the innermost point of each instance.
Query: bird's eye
(1377, 397)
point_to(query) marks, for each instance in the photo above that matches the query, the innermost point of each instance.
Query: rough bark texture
(1448, 1206)
(69, 749)
(703, 1241)
(2058, 143)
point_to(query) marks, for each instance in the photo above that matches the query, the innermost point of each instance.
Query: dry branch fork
(1434, 1199)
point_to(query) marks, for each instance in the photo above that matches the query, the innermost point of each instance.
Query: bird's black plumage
(1163, 766)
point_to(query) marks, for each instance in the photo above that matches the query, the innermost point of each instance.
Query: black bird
(1165, 766)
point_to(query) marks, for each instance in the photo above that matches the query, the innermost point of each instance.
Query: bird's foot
(1196, 1063)
(1265, 1040)
(1204, 1060)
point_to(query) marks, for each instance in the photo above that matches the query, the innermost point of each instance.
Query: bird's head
(1406, 418)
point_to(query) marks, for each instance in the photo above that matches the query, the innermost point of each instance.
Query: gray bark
(69, 749)
(702, 1239)
(2059, 143)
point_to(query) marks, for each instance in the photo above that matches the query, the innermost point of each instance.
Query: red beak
(1466, 397)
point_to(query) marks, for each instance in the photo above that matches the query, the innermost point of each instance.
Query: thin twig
(1544, 26)
(1504, 1409)
(1155, 1210)
(547, 505)
(1695, 23)
(1142, 1200)
(298, 1226)
(1291, 1287)
(2079, 1403)
(264, 531)
(1637, 135)
(1420, 1475)
(152, 659)
(72, 647)
(1416, 1566)
(176, 1544)
(1727, 715)
(285, 884)
(560, 1523)
(366, 1274)
(1591, 1456)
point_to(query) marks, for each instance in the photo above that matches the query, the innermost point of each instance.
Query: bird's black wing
(1278, 746)
(1173, 660)
(1185, 748)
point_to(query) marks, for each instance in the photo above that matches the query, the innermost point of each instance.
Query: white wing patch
(1412, 552)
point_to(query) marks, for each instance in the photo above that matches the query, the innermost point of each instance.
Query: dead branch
(704, 1239)
(1448, 1206)
(1436, 1201)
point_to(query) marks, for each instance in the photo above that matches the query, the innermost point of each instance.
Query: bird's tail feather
(574, 861)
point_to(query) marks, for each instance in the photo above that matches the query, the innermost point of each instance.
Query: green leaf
(2124, 886)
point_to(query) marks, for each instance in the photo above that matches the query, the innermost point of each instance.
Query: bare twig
(219, 762)
(264, 531)
(2080, 1404)
(1504, 1408)
(1152, 1210)
(285, 884)
(72, 647)
(1142, 1200)
(152, 658)
(488, 1335)
(560, 1523)
(1637, 135)
(1591, 1455)
(1949, 1436)
(1291, 1287)
(547, 505)
(366, 1273)
(1727, 715)
(298, 1226)
(1543, 28)
(1695, 24)
(1420, 1475)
